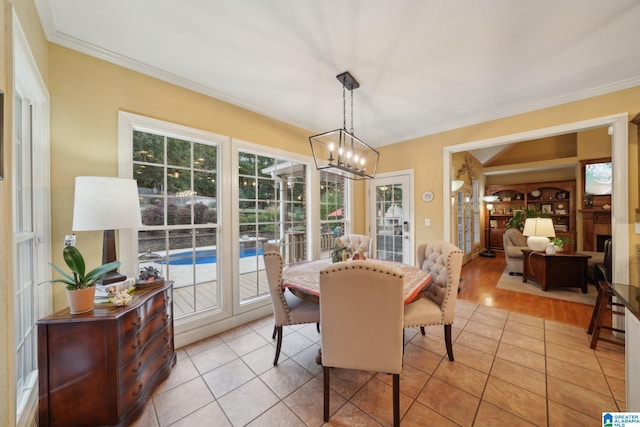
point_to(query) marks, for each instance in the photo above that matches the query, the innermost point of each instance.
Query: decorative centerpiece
(340, 252)
(149, 277)
(81, 288)
(360, 255)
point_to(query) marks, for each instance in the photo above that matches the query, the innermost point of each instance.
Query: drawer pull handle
(137, 345)
(137, 368)
(166, 337)
(137, 392)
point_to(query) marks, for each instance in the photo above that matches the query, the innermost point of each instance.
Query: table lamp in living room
(538, 232)
(106, 203)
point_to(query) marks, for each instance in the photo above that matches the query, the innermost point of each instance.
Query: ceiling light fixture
(340, 151)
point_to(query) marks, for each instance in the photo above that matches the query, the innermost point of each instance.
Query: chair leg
(318, 327)
(278, 345)
(275, 330)
(596, 311)
(325, 371)
(447, 341)
(396, 400)
(422, 330)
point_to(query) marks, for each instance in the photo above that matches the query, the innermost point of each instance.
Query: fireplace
(596, 228)
(600, 239)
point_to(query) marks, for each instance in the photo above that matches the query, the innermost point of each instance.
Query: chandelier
(340, 151)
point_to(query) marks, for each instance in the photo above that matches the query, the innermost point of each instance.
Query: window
(177, 185)
(476, 212)
(272, 208)
(31, 170)
(333, 216)
(208, 204)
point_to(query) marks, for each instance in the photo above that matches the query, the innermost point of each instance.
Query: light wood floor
(478, 284)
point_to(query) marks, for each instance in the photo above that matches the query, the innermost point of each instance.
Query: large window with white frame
(31, 235)
(272, 208)
(177, 185)
(209, 203)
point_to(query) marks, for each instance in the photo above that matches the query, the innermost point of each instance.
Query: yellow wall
(424, 155)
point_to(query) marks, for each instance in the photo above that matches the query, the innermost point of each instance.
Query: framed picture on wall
(546, 208)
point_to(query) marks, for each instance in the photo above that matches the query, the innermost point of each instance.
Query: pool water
(207, 256)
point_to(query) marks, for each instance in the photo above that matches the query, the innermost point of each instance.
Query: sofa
(513, 242)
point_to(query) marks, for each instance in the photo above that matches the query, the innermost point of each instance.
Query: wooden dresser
(99, 368)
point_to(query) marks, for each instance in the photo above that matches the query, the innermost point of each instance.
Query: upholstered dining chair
(357, 242)
(443, 261)
(287, 308)
(361, 309)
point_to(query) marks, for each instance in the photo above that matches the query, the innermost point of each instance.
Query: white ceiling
(424, 66)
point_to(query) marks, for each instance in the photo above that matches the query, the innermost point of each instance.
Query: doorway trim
(619, 130)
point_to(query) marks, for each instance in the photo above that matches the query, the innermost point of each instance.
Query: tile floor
(509, 369)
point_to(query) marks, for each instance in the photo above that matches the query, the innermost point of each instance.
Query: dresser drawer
(133, 345)
(151, 371)
(138, 318)
(133, 370)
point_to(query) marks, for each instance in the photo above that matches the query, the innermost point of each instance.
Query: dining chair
(604, 301)
(361, 307)
(287, 308)
(357, 242)
(443, 261)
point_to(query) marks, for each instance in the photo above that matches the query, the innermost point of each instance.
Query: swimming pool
(205, 256)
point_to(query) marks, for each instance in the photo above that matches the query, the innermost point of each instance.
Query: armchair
(357, 242)
(443, 261)
(514, 242)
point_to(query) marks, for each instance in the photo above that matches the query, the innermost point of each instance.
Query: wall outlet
(70, 240)
(427, 222)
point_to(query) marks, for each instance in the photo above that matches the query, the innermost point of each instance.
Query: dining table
(303, 279)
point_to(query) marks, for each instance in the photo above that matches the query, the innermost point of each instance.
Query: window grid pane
(272, 208)
(178, 199)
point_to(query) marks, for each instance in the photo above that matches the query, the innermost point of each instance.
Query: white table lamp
(106, 203)
(538, 231)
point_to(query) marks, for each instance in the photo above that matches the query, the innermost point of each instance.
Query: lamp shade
(456, 184)
(105, 203)
(489, 199)
(538, 231)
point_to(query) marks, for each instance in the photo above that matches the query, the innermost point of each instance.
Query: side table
(559, 270)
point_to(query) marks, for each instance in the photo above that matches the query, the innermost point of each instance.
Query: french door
(391, 217)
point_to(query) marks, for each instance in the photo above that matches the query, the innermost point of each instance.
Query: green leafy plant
(78, 279)
(561, 241)
(520, 216)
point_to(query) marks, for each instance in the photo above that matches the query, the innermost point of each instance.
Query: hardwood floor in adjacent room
(478, 284)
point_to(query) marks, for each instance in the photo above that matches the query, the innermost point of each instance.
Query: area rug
(515, 283)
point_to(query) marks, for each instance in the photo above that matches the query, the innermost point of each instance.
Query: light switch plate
(427, 222)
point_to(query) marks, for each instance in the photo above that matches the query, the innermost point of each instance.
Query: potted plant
(80, 285)
(149, 276)
(560, 241)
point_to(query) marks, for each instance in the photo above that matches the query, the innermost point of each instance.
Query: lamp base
(112, 277)
(537, 243)
(488, 254)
